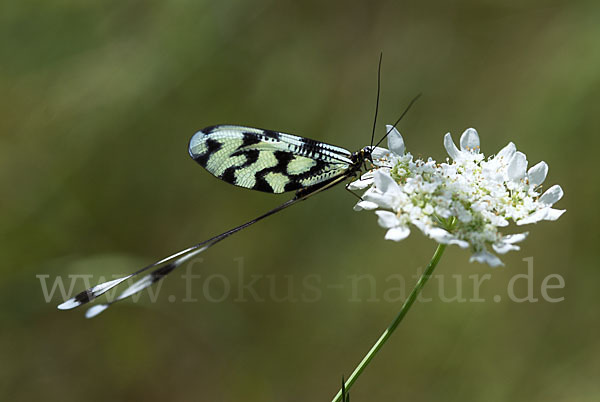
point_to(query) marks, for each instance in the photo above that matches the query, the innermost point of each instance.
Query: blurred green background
(99, 100)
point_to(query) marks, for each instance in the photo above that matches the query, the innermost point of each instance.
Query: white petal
(554, 214)
(395, 140)
(398, 233)
(443, 236)
(385, 201)
(450, 147)
(380, 153)
(537, 174)
(552, 195)
(469, 140)
(387, 219)
(366, 205)
(496, 220)
(384, 182)
(515, 238)
(438, 234)
(459, 243)
(537, 216)
(507, 152)
(517, 166)
(485, 257)
(360, 184)
(503, 248)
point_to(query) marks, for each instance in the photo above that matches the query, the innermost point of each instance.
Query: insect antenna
(399, 118)
(377, 102)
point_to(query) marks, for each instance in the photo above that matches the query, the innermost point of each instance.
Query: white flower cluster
(463, 201)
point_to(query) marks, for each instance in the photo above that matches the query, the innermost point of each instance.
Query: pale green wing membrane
(266, 160)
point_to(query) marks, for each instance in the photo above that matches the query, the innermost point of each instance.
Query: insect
(252, 158)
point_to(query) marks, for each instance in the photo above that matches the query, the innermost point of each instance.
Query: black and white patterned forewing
(266, 160)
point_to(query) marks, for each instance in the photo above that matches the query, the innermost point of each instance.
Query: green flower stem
(392, 327)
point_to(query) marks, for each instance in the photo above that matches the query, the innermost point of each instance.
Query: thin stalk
(392, 327)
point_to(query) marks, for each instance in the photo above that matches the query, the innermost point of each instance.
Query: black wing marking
(266, 160)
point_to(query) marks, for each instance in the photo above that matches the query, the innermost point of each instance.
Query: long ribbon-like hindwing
(168, 264)
(246, 157)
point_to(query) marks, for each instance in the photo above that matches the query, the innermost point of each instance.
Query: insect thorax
(358, 159)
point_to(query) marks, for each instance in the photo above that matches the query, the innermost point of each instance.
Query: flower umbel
(463, 201)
